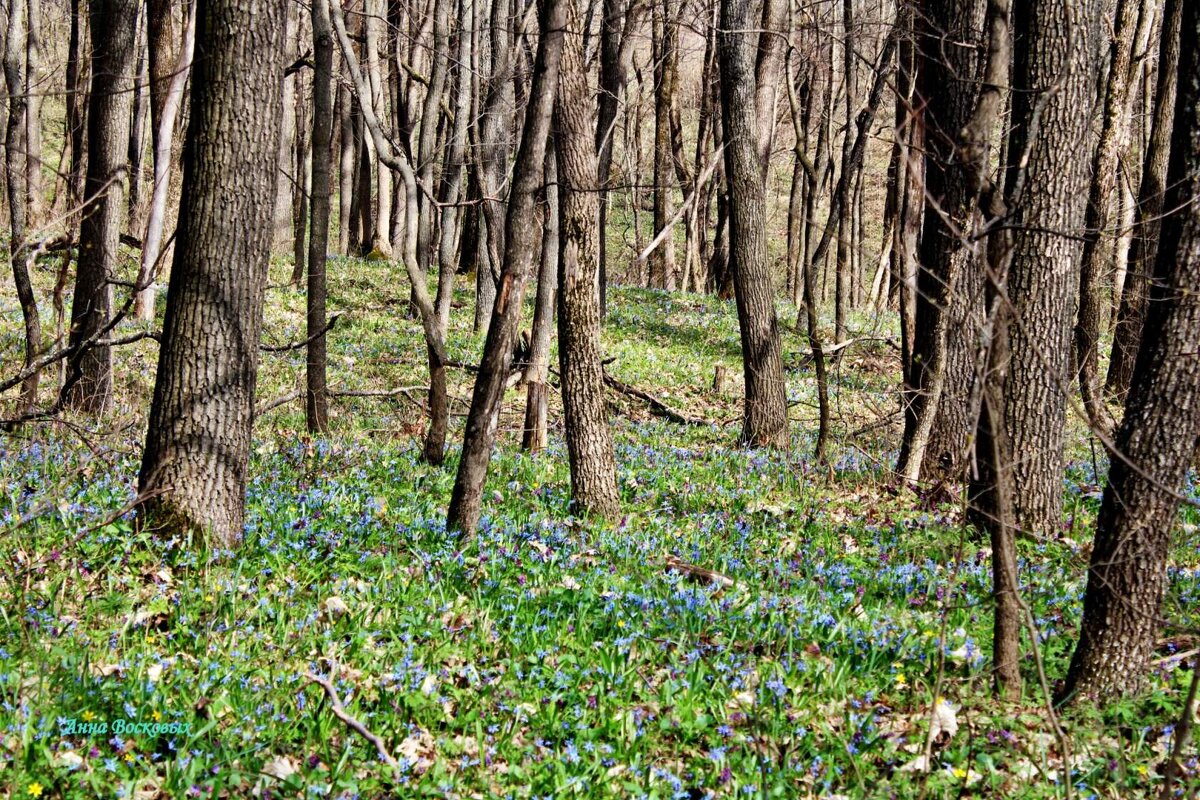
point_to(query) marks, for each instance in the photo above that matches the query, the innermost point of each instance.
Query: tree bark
(1047, 174)
(535, 433)
(1131, 313)
(193, 475)
(483, 418)
(316, 400)
(765, 422)
(165, 103)
(666, 69)
(589, 440)
(1156, 443)
(114, 42)
(1097, 244)
(948, 37)
(16, 164)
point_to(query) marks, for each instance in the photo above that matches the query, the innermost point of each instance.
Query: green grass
(554, 656)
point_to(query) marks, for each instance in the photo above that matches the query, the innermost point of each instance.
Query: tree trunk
(137, 130)
(765, 422)
(347, 167)
(193, 475)
(114, 42)
(33, 120)
(948, 33)
(534, 436)
(380, 233)
(16, 163)
(483, 418)
(666, 50)
(316, 401)
(165, 103)
(1047, 181)
(1127, 333)
(282, 214)
(1097, 244)
(74, 101)
(589, 440)
(1156, 443)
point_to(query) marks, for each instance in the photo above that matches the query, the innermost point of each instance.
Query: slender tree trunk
(375, 28)
(302, 181)
(1097, 244)
(1131, 314)
(33, 120)
(347, 167)
(282, 214)
(137, 130)
(1156, 443)
(75, 111)
(193, 475)
(316, 402)
(483, 418)
(765, 422)
(612, 80)
(589, 440)
(165, 102)
(846, 208)
(452, 173)
(16, 159)
(114, 44)
(666, 34)
(534, 436)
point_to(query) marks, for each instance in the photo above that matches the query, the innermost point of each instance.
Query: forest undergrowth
(754, 625)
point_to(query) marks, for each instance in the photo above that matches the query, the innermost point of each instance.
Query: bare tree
(1131, 24)
(193, 473)
(1127, 332)
(16, 75)
(316, 403)
(1156, 443)
(765, 422)
(114, 42)
(589, 440)
(483, 418)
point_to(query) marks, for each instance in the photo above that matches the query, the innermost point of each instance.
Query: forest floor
(840, 618)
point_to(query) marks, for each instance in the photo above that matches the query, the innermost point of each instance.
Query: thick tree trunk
(948, 35)
(114, 43)
(316, 401)
(483, 418)
(1127, 333)
(589, 440)
(1048, 160)
(1156, 443)
(16, 166)
(765, 423)
(193, 475)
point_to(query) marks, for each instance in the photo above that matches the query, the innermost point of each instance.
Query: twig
(339, 711)
(657, 406)
(1183, 731)
(283, 348)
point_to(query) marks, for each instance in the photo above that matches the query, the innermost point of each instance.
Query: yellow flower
(896, 665)
(901, 680)
(1142, 769)
(208, 598)
(620, 623)
(959, 772)
(129, 757)
(88, 716)
(156, 716)
(35, 789)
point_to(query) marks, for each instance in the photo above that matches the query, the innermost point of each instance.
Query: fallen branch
(697, 574)
(657, 406)
(283, 348)
(339, 711)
